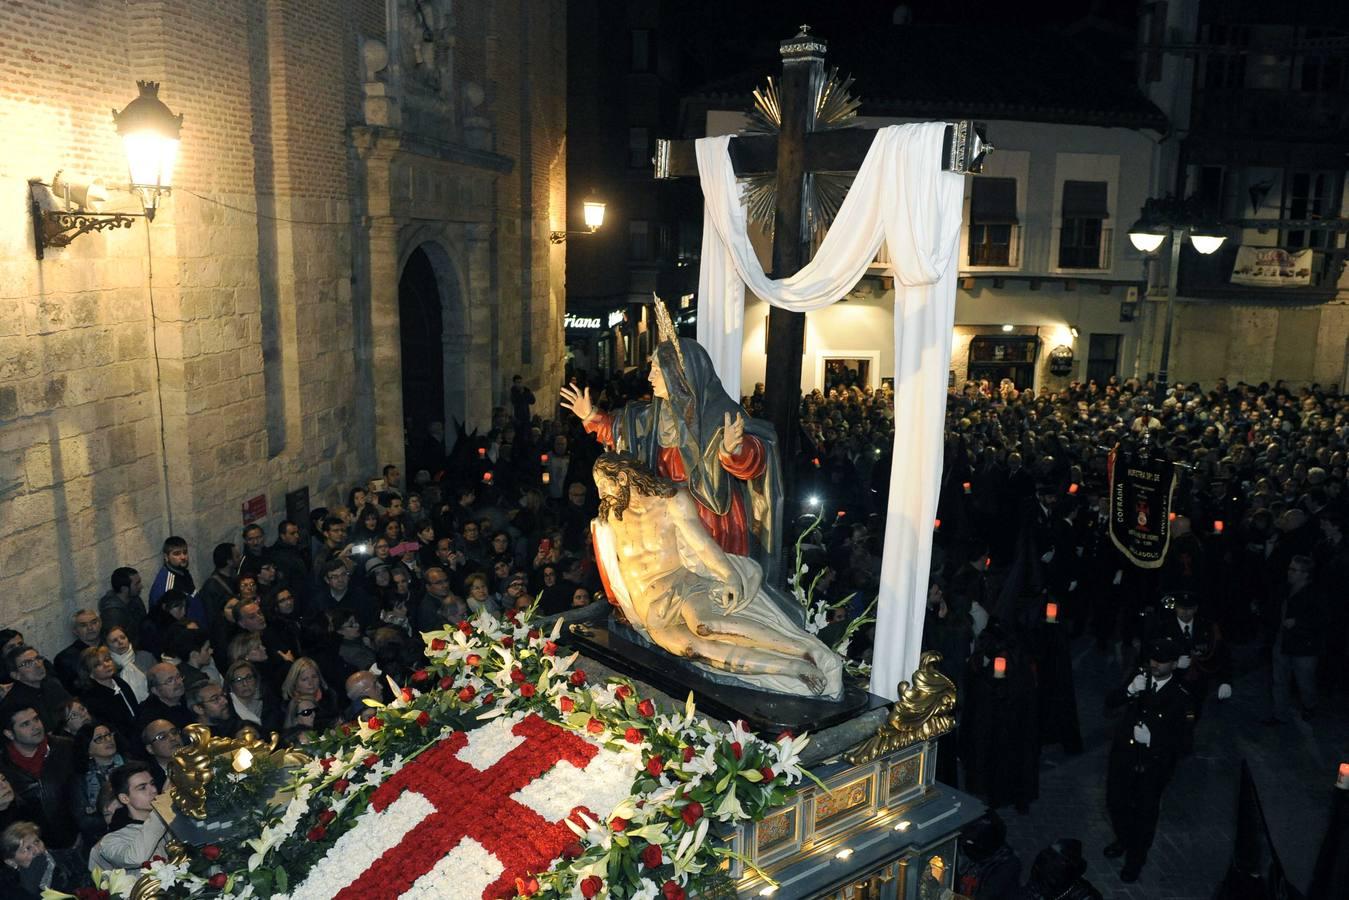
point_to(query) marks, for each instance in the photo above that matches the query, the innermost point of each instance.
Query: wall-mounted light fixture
(592, 212)
(150, 133)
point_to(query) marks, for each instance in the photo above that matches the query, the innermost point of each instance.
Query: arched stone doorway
(421, 329)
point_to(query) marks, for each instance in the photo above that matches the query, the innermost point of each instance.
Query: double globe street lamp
(1177, 220)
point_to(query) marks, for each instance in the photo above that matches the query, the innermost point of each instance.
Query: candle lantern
(543, 458)
(1217, 526)
(1072, 488)
(1000, 667)
(1051, 612)
(482, 453)
(486, 477)
(936, 525)
(547, 477)
(1342, 779)
(966, 486)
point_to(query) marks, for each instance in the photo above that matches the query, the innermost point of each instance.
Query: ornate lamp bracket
(57, 228)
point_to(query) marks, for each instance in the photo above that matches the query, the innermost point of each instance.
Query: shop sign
(585, 323)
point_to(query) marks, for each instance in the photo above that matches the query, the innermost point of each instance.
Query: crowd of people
(291, 632)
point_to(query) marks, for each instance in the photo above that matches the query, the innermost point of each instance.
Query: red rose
(473, 659)
(317, 833)
(446, 683)
(767, 774)
(489, 698)
(574, 850)
(594, 726)
(567, 704)
(420, 676)
(218, 881)
(512, 615)
(370, 760)
(535, 634)
(373, 723)
(467, 693)
(211, 851)
(508, 641)
(654, 766)
(340, 786)
(736, 749)
(691, 813)
(438, 644)
(549, 648)
(671, 891)
(423, 719)
(527, 886)
(517, 676)
(688, 754)
(651, 857)
(578, 677)
(786, 735)
(326, 816)
(618, 823)
(466, 628)
(346, 731)
(527, 690)
(623, 692)
(326, 763)
(591, 886)
(632, 736)
(647, 708)
(407, 695)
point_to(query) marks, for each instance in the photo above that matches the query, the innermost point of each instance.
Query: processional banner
(1141, 489)
(1272, 267)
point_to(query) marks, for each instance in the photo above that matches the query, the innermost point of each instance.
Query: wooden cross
(791, 153)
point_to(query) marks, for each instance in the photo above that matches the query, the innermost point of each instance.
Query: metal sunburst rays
(823, 192)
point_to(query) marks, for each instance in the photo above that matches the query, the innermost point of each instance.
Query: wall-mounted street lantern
(150, 133)
(592, 211)
(1176, 219)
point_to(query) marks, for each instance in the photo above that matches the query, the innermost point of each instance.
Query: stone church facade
(249, 340)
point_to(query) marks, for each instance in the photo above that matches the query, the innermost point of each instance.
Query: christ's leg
(705, 619)
(737, 658)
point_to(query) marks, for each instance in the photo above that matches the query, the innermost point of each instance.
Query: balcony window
(992, 221)
(1309, 197)
(1081, 239)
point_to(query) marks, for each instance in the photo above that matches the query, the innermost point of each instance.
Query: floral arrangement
(648, 791)
(817, 610)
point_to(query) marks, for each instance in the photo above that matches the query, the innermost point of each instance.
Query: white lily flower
(730, 810)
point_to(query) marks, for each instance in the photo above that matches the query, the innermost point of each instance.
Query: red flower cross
(475, 804)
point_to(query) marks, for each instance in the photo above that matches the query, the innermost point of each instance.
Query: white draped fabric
(902, 197)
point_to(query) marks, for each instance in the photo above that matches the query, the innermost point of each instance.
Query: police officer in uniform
(1147, 742)
(1205, 659)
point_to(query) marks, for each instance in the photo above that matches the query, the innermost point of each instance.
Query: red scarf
(30, 764)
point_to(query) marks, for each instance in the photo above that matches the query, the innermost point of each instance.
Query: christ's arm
(689, 528)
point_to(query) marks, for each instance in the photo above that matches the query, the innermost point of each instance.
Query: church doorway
(421, 330)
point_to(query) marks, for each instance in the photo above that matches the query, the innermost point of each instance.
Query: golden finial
(665, 329)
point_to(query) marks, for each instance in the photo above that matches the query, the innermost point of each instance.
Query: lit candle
(816, 461)
(243, 758)
(1170, 517)
(482, 452)
(966, 486)
(547, 477)
(543, 458)
(1072, 488)
(1000, 667)
(486, 477)
(937, 525)
(1342, 781)
(1217, 526)
(1051, 612)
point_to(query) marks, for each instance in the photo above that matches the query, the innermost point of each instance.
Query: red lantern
(1000, 667)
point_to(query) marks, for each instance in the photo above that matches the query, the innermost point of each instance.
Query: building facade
(359, 219)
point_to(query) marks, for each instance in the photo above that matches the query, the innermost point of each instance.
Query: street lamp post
(1160, 219)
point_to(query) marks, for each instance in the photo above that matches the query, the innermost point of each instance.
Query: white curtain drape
(902, 197)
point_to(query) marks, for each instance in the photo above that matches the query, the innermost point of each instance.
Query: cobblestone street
(1293, 765)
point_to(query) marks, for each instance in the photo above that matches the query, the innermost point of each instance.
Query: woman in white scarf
(131, 663)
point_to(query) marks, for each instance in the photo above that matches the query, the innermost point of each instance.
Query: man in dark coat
(1205, 659)
(999, 741)
(1148, 738)
(85, 625)
(39, 767)
(1298, 641)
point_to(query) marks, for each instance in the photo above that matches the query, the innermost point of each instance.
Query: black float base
(764, 712)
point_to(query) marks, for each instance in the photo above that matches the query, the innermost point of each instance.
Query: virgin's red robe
(730, 531)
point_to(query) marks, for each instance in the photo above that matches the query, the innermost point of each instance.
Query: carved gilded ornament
(922, 713)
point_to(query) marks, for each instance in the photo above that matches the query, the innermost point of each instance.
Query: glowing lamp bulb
(814, 500)
(243, 759)
(1051, 612)
(1000, 667)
